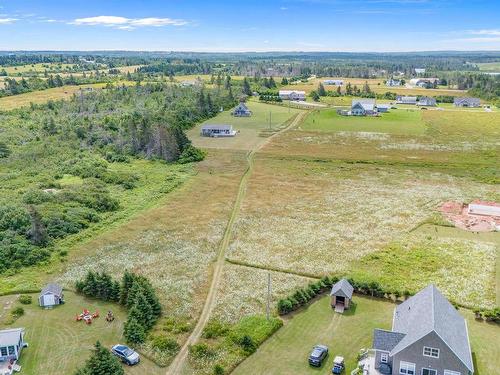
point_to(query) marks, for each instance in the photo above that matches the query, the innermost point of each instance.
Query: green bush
(201, 350)
(191, 154)
(219, 370)
(36, 197)
(25, 299)
(165, 344)
(284, 306)
(215, 329)
(17, 312)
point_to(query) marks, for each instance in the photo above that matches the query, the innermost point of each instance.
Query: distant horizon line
(242, 52)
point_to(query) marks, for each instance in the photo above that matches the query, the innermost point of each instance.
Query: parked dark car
(127, 355)
(318, 354)
(338, 365)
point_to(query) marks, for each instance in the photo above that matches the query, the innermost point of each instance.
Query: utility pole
(268, 309)
(269, 119)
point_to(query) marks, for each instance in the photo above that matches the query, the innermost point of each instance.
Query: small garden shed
(51, 295)
(341, 295)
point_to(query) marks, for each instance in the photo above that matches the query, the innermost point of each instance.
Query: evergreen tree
(315, 96)
(321, 90)
(339, 91)
(246, 87)
(272, 83)
(227, 83)
(284, 81)
(348, 89)
(127, 281)
(134, 332)
(37, 233)
(366, 88)
(101, 362)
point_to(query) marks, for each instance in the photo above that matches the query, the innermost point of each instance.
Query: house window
(428, 371)
(384, 358)
(406, 368)
(449, 372)
(431, 352)
(12, 350)
(3, 351)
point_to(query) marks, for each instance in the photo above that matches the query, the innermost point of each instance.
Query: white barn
(292, 95)
(334, 82)
(11, 345)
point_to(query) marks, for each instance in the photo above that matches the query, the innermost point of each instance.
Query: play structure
(110, 317)
(87, 316)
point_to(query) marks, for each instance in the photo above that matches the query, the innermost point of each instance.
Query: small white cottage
(51, 295)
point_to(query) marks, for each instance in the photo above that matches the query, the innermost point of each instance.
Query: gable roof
(429, 311)
(242, 107)
(366, 104)
(10, 337)
(52, 288)
(342, 288)
(460, 100)
(386, 340)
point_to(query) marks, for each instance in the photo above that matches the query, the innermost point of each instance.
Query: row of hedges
(492, 315)
(303, 296)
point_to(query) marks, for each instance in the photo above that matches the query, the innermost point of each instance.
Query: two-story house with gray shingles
(363, 107)
(428, 337)
(241, 111)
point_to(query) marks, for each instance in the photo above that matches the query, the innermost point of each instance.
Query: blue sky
(252, 25)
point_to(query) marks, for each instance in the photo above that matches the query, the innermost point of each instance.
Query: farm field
(58, 344)
(37, 68)
(340, 212)
(286, 352)
(252, 131)
(489, 67)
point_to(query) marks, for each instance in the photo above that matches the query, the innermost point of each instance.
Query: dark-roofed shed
(341, 295)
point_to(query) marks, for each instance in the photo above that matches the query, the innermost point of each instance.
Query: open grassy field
(39, 97)
(319, 218)
(58, 344)
(252, 131)
(37, 68)
(286, 352)
(376, 85)
(489, 67)
(395, 122)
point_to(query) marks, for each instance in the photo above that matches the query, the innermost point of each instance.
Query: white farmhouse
(292, 95)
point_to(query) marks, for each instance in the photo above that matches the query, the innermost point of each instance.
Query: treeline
(24, 85)
(134, 292)
(171, 67)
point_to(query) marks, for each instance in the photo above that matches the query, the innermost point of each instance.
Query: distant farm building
(51, 295)
(11, 345)
(484, 208)
(216, 131)
(363, 107)
(466, 102)
(341, 295)
(426, 101)
(383, 108)
(412, 100)
(292, 95)
(423, 82)
(478, 216)
(242, 111)
(419, 70)
(393, 82)
(334, 82)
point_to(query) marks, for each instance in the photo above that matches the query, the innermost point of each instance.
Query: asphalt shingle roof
(342, 288)
(429, 311)
(53, 288)
(10, 337)
(386, 340)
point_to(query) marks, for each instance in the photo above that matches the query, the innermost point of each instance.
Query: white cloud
(485, 32)
(123, 23)
(7, 21)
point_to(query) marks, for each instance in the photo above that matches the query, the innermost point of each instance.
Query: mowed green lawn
(287, 351)
(264, 117)
(59, 345)
(397, 121)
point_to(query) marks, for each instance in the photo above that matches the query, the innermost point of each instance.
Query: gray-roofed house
(426, 101)
(212, 130)
(241, 111)
(11, 345)
(363, 107)
(466, 102)
(428, 337)
(383, 108)
(406, 99)
(341, 295)
(51, 295)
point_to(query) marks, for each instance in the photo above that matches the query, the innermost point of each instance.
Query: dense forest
(82, 138)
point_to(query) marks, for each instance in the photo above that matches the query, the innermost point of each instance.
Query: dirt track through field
(177, 365)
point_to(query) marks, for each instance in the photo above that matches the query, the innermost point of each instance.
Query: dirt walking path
(177, 365)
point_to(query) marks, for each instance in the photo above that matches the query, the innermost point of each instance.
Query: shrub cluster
(135, 293)
(25, 299)
(492, 315)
